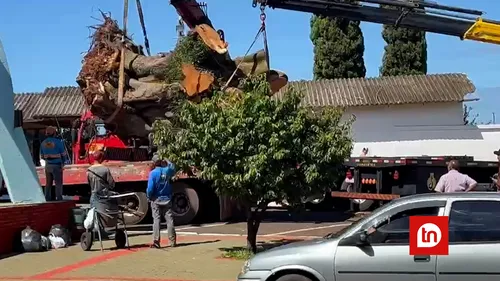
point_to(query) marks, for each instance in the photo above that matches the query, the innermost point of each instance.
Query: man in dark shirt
(99, 177)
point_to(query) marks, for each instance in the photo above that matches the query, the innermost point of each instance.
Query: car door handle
(421, 258)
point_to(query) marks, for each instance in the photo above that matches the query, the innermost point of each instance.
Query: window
(397, 228)
(475, 221)
(100, 130)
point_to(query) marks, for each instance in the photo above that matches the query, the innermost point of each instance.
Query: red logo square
(429, 235)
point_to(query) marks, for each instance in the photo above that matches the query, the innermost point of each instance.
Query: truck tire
(138, 203)
(185, 203)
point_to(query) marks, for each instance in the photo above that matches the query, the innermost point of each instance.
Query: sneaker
(173, 244)
(156, 244)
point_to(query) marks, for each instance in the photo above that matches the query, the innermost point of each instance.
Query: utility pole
(493, 117)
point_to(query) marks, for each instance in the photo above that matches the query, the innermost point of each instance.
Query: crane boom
(416, 14)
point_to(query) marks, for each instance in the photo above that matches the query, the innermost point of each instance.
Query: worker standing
(159, 193)
(454, 181)
(53, 152)
(100, 179)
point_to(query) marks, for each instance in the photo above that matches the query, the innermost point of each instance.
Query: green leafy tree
(405, 52)
(338, 48)
(257, 149)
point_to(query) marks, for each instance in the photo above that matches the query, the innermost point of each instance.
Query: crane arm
(415, 14)
(191, 12)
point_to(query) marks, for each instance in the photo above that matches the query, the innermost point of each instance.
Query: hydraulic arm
(417, 14)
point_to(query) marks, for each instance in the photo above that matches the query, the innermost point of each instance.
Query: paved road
(276, 223)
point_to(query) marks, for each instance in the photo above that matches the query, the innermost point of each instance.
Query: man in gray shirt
(100, 179)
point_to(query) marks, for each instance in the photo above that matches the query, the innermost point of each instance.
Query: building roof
(61, 101)
(27, 102)
(392, 90)
(53, 102)
(68, 101)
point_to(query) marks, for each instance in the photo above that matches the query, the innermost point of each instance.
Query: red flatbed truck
(128, 160)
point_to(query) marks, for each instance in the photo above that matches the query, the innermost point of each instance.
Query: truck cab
(90, 134)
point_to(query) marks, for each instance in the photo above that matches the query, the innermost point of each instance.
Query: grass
(237, 253)
(241, 253)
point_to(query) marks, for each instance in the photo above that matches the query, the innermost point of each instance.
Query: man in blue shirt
(53, 151)
(159, 193)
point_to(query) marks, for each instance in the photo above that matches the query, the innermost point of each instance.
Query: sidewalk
(196, 258)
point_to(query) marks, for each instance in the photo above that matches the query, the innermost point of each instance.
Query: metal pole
(121, 75)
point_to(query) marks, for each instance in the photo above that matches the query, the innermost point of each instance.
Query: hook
(221, 35)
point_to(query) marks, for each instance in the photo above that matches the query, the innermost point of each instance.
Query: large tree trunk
(254, 218)
(156, 85)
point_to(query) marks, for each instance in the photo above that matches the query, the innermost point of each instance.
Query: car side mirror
(362, 239)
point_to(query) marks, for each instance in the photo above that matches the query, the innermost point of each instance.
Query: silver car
(355, 255)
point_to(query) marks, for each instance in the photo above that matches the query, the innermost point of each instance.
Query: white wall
(416, 130)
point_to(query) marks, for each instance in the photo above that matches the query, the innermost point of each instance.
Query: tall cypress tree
(405, 52)
(338, 48)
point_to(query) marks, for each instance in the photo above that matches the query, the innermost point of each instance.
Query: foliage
(338, 48)
(405, 52)
(255, 148)
(251, 146)
(238, 253)
(189, 49)
(469, 117)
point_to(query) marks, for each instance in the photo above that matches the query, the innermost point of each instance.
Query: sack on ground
(33, 241)
(59, 236)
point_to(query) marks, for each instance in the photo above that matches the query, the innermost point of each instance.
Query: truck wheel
(138, 203)
(185, 203)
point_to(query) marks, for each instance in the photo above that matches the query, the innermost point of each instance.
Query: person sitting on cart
(159, 193)
(454, 181)
(100, 179)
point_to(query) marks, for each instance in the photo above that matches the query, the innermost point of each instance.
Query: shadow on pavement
(144, 245)
(6, 256)
(282, 215)
(196, 243)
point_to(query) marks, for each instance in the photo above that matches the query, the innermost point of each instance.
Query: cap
(50, 130)
(497, 152)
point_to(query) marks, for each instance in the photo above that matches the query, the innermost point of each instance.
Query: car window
(364, 221)
(397, 228)
(474, 221)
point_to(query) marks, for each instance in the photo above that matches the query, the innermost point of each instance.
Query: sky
(46, 40)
